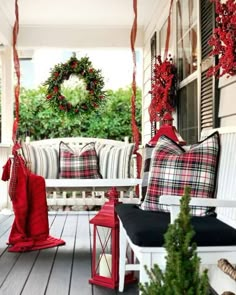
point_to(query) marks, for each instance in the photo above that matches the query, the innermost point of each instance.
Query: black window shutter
(209, 86)
(153, 59)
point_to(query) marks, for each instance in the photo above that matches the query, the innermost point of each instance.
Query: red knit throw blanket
(30, 229)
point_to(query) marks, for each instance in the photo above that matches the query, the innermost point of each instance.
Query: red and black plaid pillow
(82, 163)
(173, 168)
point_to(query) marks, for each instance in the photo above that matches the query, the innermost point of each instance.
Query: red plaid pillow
(82, 163)
(173, 168)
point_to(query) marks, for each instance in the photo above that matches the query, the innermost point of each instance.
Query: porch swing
(28, 191)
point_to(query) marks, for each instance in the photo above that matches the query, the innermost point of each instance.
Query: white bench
(225, 204)
(80, 192)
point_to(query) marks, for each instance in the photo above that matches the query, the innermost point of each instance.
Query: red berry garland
(163, 89)
(223, 39)
(84, 70)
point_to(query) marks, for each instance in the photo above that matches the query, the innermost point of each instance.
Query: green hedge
(111, 120)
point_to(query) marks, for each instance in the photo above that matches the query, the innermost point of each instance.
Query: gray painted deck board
(41, 270)
(61, 271)
(3, 217)
(5, 228)
(82, 259)
(16, 279)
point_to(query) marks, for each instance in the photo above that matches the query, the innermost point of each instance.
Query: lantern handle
(113, 194)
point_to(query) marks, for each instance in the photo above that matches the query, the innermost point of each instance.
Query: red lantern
(169, 130)
(105, 255)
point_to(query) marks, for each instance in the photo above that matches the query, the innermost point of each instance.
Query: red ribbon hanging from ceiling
(135, 130)
(17, 71)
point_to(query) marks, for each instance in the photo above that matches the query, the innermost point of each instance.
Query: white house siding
(227, 107)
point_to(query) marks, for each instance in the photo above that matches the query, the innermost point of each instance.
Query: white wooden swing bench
(149, 251)
(116, 162)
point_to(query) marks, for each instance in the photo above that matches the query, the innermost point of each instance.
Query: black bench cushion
(147, 228)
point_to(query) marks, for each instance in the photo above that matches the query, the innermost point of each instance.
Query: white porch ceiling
(78, 12)
(71, 23)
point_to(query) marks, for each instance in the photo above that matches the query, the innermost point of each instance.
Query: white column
(7, 95)
(5, 202)
(7, 98)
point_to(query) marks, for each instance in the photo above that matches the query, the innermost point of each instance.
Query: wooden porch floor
(61, 271)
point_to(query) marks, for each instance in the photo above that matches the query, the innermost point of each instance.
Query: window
(188, 113)
(198, 96)
(187, 70)
(186, 38)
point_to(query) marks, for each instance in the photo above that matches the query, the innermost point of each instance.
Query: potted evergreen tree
(182, 274)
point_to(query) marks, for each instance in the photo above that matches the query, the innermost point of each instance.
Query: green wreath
(93, 82)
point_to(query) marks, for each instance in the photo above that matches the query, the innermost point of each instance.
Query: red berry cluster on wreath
(223, 39)
(163, 88)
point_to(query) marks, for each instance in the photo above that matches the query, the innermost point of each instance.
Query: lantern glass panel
(104, 251)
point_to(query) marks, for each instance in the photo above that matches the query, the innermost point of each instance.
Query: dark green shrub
(111, 120)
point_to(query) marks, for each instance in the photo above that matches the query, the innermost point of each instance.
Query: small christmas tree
(182, 275)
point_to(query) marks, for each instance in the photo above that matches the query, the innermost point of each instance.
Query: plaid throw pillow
(82, 163)
(173, 168)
